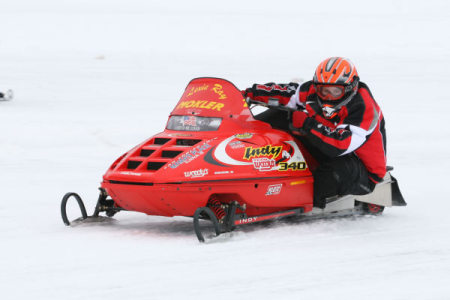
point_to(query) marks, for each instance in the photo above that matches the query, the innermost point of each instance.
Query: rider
(340, 124)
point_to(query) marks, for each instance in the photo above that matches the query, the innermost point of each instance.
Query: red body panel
(175, 172)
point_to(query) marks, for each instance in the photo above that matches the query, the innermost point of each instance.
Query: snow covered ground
(94, 78)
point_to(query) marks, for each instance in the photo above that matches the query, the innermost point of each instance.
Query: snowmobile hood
(178, 158)
(238, 148)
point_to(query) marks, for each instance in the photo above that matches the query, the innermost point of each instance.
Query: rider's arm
(347, 137)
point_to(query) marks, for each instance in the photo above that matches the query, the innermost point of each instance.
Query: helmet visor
(330, 92)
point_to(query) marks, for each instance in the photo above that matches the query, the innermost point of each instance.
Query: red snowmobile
(216, 162)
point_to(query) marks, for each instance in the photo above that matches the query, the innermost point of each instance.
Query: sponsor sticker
(196, 173)
(274, 189)
(263, 163)
(223, 172)
(243, 136)
(130, 173)
(190, 155)
(189, 121)
(236, 145)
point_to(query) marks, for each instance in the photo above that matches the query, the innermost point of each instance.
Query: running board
(334, 205)
(386, 193)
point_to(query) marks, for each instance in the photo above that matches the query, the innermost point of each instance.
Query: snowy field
(93, 78)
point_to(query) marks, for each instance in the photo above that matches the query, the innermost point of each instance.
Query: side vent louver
(158, 152)
(160, 141)
(187, 142)
(170, 153)
(132, 164)
(146, 152)
(155, 165)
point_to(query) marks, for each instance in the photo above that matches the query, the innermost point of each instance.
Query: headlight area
(193, 123)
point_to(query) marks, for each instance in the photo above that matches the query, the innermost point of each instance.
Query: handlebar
(273, 103)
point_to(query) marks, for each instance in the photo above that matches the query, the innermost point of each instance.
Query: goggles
(330, 92)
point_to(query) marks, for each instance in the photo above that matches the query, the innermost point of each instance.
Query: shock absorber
(215, 205)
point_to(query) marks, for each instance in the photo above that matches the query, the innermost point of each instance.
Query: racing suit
(350, 148)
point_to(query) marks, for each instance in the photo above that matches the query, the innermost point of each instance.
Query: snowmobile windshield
(211, 97)
(193, 123)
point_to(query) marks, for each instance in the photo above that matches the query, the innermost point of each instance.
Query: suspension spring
(215, 205)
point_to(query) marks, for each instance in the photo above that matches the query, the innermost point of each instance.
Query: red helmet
(336, 82)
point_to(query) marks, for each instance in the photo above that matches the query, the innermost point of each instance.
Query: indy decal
(268, 216)
(262, 151)
(246, 220)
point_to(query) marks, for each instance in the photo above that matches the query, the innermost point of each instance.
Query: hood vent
(133, 164)
(160, 141)
(155, 165)
(146, 152)
(157, 152)
(187, 142)
(170, 153)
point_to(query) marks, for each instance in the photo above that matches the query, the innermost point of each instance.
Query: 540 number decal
(294, 166)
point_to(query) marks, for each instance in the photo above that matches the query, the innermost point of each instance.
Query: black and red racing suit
(358, 127)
